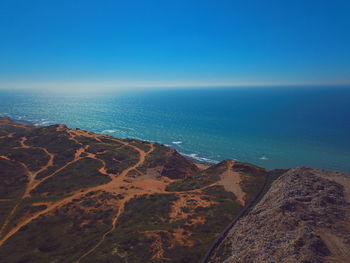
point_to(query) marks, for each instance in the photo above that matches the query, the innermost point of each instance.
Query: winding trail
(31, 180)
(112, 186)
(7, 219)
(122, 183)
(123, 202)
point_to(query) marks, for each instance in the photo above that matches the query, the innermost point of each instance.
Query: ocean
(273, 127)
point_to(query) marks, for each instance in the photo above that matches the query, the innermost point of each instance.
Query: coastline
(270, 157)
(201, 162)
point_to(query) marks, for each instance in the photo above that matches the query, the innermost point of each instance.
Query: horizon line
(112, 85)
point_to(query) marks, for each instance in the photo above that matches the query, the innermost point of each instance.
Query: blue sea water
(274, 127)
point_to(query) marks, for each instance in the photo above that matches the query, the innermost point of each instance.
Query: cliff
(304, 217)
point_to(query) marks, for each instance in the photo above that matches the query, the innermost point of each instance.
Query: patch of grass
(6, 145)
(143, 145)
(18, 131)
(217, 216)
(5, 208)
(146, 212)
(63, 239)
(157, 156)
(78, 175)
(155, 208)
(54, 141)
(13, 179)
(24, 209)
(199, 179)
(219, 192)
(175, 166)
(34, 159)
(96, 146)
(252, 178)
(178, 167)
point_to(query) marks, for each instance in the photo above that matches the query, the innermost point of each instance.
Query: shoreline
(200, 162)
(193, 157)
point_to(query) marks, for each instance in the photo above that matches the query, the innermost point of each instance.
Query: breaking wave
(198, 158)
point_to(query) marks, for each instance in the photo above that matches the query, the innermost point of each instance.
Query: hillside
(304, 217)
(69, 195)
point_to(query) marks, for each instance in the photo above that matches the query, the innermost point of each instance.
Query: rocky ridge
(304, 217)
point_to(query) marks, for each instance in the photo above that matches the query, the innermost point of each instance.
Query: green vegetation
(192, 182)
(175, 166)
(65, 233)
(5, 209)
(33, 158)
(145, 146)
(146, 212)
(57, 142)
(7, 144)
(252, 178)
(219, 192)
(13, 179)
(178, 167)
(157, 156)
(155, 210)
(199, 179)
(61, 240)
(96, 146)
(16, 130)
(217, 216)
(119, 159)
(78, 175)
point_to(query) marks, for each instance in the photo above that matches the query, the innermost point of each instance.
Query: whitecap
(176, 142)
(109, 131)
(263, 158)
(46, 122)
(198, 158)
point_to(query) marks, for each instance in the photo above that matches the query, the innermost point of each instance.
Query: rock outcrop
(304, 218)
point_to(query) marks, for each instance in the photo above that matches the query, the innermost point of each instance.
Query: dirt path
(103, 238)
(36, 182)
(14, 209)
(120, 183)
(121, 207)
(33, 182)
(5, 157)
(7, 220)
(113, 185)
(230, 180)
(10, 135)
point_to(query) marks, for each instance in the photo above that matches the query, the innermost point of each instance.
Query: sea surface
(273, 127)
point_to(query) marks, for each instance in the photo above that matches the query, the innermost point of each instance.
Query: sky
(59, 43)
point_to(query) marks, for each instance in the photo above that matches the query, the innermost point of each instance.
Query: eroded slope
(305, 217)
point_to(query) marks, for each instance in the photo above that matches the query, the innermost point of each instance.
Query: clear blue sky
(180, 41)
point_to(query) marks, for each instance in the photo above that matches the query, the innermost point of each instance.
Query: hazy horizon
(86, 45)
